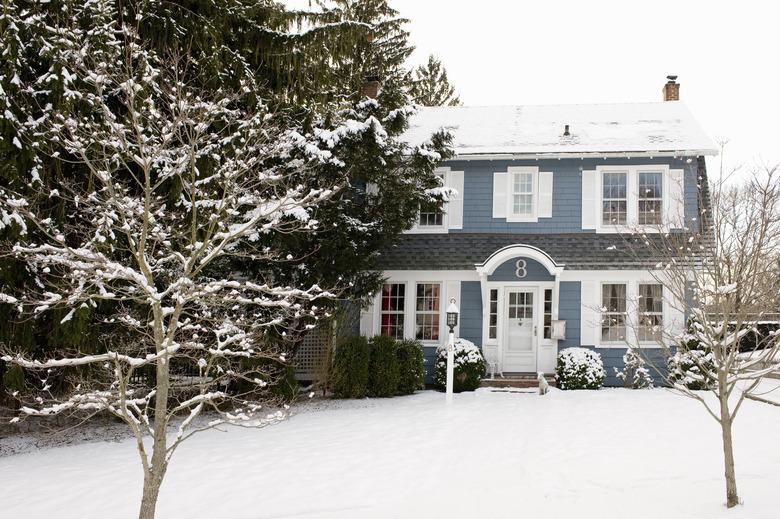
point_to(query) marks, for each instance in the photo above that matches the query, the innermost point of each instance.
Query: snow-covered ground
(605, 454)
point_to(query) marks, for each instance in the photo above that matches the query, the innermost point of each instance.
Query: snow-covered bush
(692, 364)
(469, 366)
(382, 366)
(411, 373)
(349, 374)
(634, 374)
(579, 368)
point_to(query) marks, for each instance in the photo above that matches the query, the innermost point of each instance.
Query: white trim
(423, 275)
(587, 155)
(512, 251)
(632, 197)
(511, 216)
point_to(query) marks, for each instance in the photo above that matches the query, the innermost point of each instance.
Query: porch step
(518, 381)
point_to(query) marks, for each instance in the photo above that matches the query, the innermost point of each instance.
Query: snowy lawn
(609, 453)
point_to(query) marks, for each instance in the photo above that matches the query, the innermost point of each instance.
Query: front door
(519, 351)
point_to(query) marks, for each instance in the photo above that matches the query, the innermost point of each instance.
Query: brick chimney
(371, 86)
(672, 89)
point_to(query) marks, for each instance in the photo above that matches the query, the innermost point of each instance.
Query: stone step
(515, 381)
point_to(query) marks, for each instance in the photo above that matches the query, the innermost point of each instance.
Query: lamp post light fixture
(452, 322)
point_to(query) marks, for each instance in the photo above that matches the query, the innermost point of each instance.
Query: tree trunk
(151, 492)
(732, 499)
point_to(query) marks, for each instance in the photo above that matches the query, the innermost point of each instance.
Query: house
(533, 247)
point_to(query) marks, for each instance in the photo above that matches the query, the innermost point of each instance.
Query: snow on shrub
(579, 368)
(634, 374)
(692, 364)
(469, 366)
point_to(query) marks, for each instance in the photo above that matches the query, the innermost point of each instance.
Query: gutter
(583, 155)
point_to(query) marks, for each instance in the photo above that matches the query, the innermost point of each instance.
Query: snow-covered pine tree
(430, 85)
(175, 184)
(305, 65)
(635, 374)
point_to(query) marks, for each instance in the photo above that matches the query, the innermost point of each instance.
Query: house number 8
(520, 268)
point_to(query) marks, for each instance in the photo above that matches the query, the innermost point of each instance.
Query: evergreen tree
(430, 86)
(305, 66)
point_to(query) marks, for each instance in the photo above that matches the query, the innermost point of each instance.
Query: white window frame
(402, 313)
(639, 314)
(632, 195)
(603, 312)
(640, 199)
(417, 312)
(421, 229)
(511, 216)
(627, 198)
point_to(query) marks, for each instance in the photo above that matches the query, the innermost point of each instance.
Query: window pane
(650, 185)
(427, 326)
(493, 319)
(650, 198)
(613, 318)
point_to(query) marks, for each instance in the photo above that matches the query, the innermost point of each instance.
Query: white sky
(589, 51)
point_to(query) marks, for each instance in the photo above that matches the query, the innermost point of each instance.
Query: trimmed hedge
(349, 376)
(379, 367)
(383, 373)
(411, 372)
(469, 369)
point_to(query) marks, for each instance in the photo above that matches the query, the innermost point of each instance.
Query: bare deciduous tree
(715, 272)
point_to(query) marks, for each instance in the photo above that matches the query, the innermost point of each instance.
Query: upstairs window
(614, 200)
(427, 311)
(651, 312)
(613, 312)
(522, 194)
(393, 304)
(431, 215)
(650, 198)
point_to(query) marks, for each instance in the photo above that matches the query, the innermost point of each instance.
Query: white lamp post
(452, 322)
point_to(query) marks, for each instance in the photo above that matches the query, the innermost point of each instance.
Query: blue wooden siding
(507, 271)
(569, 307)
(567, 192)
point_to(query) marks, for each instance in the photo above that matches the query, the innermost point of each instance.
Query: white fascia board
(430, 275)
(583, 155)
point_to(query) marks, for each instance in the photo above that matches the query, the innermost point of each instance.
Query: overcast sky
(558, 52)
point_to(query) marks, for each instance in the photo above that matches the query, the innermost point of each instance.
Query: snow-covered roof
(663, 128)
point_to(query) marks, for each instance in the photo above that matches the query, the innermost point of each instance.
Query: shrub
(411, 373)
(579, 368)
(383, 373)
(692, 364)
(634, 374)
(349, 376)
(469, 366)
(286, 387)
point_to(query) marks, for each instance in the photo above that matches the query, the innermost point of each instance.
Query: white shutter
(676, 197)
(367, 321)
(499, 194)
(590, 315)
(454, 180)
(545, 194)
(451, 290)
(674, 315)
(589, 191)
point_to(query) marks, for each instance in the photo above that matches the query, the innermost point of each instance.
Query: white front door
(519, 348)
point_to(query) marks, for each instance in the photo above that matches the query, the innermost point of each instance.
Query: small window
(613, 313)
(614, 204)
(431, 215)
(493, 314)
(651, 311)
(427, 311)
(650, 198)
(523, 194)
(393, 301)
(547, 313)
